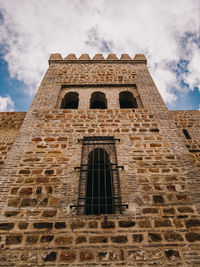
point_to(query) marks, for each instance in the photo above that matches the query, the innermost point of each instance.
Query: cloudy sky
(167, 32)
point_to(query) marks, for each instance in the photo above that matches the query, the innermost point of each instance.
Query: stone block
(163, 223)
(107, 224)
(51, 256)
(63, 240)
(86, 255)
(46, 238)
(172, 236)
(119, 239)
(77, 225)
(172, 254)
(98, 239)
(192, 236)
(137, 238)
(126, 224)
(31, 239)
(6, 226)
(60, 225)
(192, 223)
(49, 213)
(67, 256)
(28, 202)
(43, 225)
(154, 237)
(81, 239)
(13, 239)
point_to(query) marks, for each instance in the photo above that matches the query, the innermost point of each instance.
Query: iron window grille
(99, 184)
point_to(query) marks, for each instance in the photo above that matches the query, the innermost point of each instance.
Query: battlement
(98, 58)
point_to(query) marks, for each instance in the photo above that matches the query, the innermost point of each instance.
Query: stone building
(99, 172)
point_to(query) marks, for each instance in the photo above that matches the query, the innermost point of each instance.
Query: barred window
(99, 185)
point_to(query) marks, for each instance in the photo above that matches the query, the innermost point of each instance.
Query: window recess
(99, 184)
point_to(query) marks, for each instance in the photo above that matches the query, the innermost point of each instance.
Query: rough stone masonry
(40, 171)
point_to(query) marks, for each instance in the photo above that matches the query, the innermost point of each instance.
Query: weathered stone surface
(46, 238)
(50, 256)
(77, 225)
(63, 240)
(137, 238)
(11, 213)
(154, 237)
(23, 225)
(107, 224)
(163, 223)
(6, 226)
(126, 224)
(27, 202)
(68, 256)
(81, 239)
(119, 239)
(31, 239)
(98, 239)
(86, 255)
(192, 237)
(173, 236)
(60, 225)
(43, 225)
(13, 239)
(192, 223)
(49, 213)
(172, 254)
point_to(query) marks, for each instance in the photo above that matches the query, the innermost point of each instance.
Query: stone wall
(190, 120)
(10, 123)
(160, 227)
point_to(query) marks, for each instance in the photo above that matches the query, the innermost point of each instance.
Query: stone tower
(99, 172)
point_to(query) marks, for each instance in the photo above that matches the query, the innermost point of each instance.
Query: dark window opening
(99, 183)
(187, 136)
(127, 100)
(70, 101)
(98, 101)
(99, 191)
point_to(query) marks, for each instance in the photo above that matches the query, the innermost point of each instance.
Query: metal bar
(86, 179)
(98, 179)
(117, 178)
(92, 181)
(99, 139)
(80, 180)
(82, 206)
(99, 143)
(112, 184)
(105, 189)
(101, 197)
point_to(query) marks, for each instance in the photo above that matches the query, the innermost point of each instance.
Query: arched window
(127, 100)
(70, 101)
(99, 187)
(98, 101)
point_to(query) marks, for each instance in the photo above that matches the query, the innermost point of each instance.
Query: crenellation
(71, 57)
(84, 57)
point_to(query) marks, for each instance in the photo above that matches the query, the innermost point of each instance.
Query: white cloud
(6, 104)
(33, 29)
